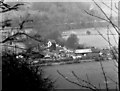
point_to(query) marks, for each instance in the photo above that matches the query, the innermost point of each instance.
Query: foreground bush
(18, 75)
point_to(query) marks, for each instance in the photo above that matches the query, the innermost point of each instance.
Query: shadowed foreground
(18, 75)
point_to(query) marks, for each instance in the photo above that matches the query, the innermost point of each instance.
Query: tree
(88, 32)
(72, 41)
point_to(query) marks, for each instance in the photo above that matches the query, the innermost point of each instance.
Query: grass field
(93, 70)
(94, 39)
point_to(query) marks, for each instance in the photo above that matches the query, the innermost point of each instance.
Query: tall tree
(72, 42)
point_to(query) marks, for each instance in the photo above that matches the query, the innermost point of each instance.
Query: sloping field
(95, 39)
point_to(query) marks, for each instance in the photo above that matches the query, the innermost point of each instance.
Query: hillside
(55, 16)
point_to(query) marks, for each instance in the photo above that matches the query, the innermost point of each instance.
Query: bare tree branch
(104, 74)
(109, 7)
(105, 20)
(111, 10)
(105, 39)
(113, 36)
(83, 86)
(118, 31)
(5, 7)
(88, 79)
(11, 38)
(99, 86)
(112, 80)
(108, 37)
(116, 7)
(113, 47)
(21, 24)
(116, 59)
(96, 16)
(90, 84)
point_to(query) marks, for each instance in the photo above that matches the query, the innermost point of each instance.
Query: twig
(109, 7)
(88, 79)
(55, 80)
(104, 20)
(112, 80)
(116, 7)
(96, 16)
(115, 56)
(108, 37)
(13, 36)
(90, 84)
(75, 82)
(104, 38)
(99, 86)
(104, 76)
(10, 38)
(5, 7)
(108, 18)
(117, 87)
(21, 25)
(113, 36)
(78, 78)
(110, 44)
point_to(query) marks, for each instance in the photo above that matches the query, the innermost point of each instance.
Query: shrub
(18, 75)
(99, 59)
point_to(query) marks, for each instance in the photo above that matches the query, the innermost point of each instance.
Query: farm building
(83, 51)
(88, 53)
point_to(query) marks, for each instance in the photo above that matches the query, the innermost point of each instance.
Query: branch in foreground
(5, 7)
(109, 7)
(110, 47)
(113, 80)
(104, 20)
(108, 18)
(106, 81)
(96, 16)
(83, 86)
(117, 7)
(11, 38)
(113, 36)
(104, 38)
(78, 78)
